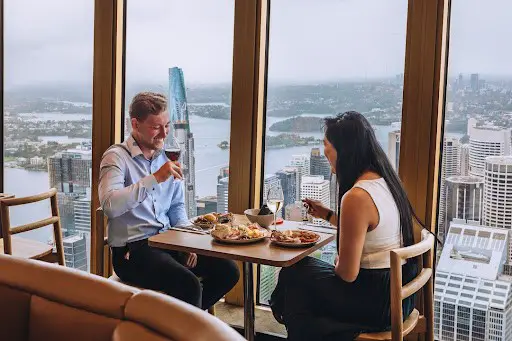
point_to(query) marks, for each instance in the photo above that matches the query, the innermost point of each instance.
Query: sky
(51, 42)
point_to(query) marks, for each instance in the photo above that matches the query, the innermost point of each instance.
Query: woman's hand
(316, 208)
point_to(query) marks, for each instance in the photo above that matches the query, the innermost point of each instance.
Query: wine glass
(275, 200)
(172, 148)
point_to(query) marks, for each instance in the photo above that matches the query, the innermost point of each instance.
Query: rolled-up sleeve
(115, 198)
(177, 212)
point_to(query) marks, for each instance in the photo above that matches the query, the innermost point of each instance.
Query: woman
(318, 301)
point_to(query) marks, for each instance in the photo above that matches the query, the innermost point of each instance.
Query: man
(141, 193)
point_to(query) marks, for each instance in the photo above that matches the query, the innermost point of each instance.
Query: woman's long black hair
(359, 151)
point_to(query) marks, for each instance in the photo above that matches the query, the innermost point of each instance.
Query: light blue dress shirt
(136, 205)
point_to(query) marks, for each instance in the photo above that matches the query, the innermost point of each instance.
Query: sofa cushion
(69, 286)
(176, 319)
(14, 314)
(57, 322)
(129, 331)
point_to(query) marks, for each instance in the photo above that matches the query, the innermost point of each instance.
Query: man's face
(152, 132)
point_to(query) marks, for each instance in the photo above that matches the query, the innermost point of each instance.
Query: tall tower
(302, 163)
(464, 198)
(178, 111)
(316, 188)
(497, 210)
(449, 167)
(464, 159)
(394, 148)
(483, 142)
(319, 165)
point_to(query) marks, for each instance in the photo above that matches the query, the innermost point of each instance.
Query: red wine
(173, 154)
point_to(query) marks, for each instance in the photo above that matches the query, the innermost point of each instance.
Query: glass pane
(475, 199)
(184, 50)
(348, 55)
(48, 115)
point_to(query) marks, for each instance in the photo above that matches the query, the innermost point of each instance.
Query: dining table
(263, 252)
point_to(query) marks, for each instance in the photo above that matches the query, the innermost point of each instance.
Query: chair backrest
(424, 251)
(8, 231)
(101, 251)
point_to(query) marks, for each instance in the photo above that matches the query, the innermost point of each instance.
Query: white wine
(275, 205)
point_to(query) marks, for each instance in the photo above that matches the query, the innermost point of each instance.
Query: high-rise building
(206, 205)
(497, 203)
(316, 188)
(319, 165)
(449, 167)
(333, 193)
(484, 142)
(75, 253)
(178, 111)
(464, 197)
(222, 195)
(288, 181)
(472, 300)
(302, 163)
(475, 84)
(464, 159)
(268, 281)
(394, 148)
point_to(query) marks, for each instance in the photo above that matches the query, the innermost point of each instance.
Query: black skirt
(316, 304)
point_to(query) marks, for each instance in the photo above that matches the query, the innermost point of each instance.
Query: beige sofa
(41, 301)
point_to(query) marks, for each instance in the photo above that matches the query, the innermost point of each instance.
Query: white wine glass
(275, 200)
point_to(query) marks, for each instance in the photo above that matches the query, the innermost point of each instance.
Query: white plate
(238, 241)
(293, 245)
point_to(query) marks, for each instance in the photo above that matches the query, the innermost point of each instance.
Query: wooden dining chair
(104, 255)
(416, 323)
(27, 248)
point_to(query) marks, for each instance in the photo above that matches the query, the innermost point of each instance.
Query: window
(48, 117)
(476, 149)
(320, 67)
(184, 49)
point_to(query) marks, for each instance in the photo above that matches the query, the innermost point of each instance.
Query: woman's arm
(357, 214)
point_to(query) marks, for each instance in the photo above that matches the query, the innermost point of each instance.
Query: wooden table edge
(225, 255)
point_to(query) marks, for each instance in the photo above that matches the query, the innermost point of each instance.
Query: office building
(178, 111)
(268, 281)
(303, 165)
(472, 300)
(288, 181)
(75, 252)
(394, 148)
(475, 84)
(497, 203)
(319, 165)
(449, 167)
(206, 205)
(222, 195)
(464, 159)
(316, 188)
(484, 142)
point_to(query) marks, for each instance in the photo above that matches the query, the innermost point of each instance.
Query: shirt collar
(134, 149)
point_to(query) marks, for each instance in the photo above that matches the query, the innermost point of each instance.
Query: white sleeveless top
(386, 235)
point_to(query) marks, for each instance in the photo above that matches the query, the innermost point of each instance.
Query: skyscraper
(449, 167)
(288, 180)
(268, 282)
(178, 111)
(75, 253)
(484, 142)
(464, 159)
(394, 148)
(471, 298)
(302, 162)
(475, 85)
(316, 188)
(464, 196)
(319, 165)
(222, 195)
(497, 211)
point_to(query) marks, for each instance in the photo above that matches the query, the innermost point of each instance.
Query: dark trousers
(163, 270)
(315, 304)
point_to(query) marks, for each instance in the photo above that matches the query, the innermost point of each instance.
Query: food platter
(294, 238)
(208, 221)
(239, 234)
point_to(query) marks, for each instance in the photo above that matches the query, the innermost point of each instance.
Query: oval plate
(293, 245)
(238, 241)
